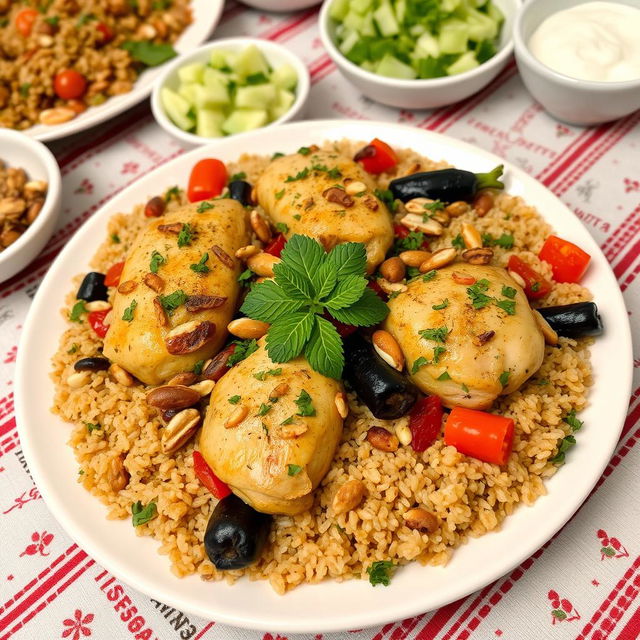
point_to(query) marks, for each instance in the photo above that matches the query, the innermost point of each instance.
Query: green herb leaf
(127, 315)
(508, 292)
(91, 427)
(301, 175)
(234, 399)
(77, 310)
(293, 469)
(289, 420)
(264, 409)
(366, 312)
(172, 194)
(504, 378)
(85, 18)
(185, 235)
(74, 348)
(148, 53)
(430, 275)
(276, 155)
(201, 267)
(52, 20)
(347, 292)
(245, 276)
(305, 404)
(244, 348)
(458, 242)
(142, 515)
(324, 349)
(507, 305)
(157, 260)
(256, 78)
(241, 175)
(505, 241)
(197, 367)
(439, 334)
(386, 196)
(564, 445)
(436, 205)
(380, 572)
(479, 300)
(173, 300)
(437, 353)
(304, 151)
(262, 375)
(418, 364)
(443, 305)
(24, 89)
(304, 255)
(444, 376)
(205, 206)
(287, 335)
(115, 238)
(411, 242)
(573, 421)
(464, 388)
(349, 259)
(325, 280)
(268, 302)
(282, 227)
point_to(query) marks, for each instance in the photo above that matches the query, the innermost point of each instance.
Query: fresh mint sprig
(308, 285)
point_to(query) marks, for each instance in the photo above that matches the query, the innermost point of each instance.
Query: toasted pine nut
(550, 335)
(483, 203)
(414, 258)
(391, 287)
(393, 269)
(35, 186)
(121, 376)
(387, 347)
(97, 305)
(415, 222)
(260, 226)
(204, 387)
(247, 328)
(127, 287)
(34, 210)
(154, 282)
(355, 187)
(471, 236)
(404, 435)
(519, 280)
(439, 259)
(457, 208)
(262, 264)
(341, 404)
(417, 205)
(481, 255)
(290, 431)
(179, 430)
(463, 278)
(419, 518)
(382, 439)
(160, 313)
(279, 390)
(348, 496)
(78, 379)
(57, 115)
(236, 417)
(243, 253)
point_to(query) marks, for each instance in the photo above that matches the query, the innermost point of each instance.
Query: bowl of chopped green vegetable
(418, 54)
(229, 87)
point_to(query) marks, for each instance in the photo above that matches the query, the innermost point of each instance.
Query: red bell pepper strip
(209, 479)
(485, 436)
(425, 422)
(112, 277)
(105, 33)
(377, 157)
(535, 285)
(207, 180)
(568, 261)
(96, 322)
(276, 246)
(24, 21)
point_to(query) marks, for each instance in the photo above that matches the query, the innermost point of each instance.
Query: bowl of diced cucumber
(229, 87)
(418, 54)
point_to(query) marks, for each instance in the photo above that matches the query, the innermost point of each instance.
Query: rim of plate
(353, 604)
(206, 15)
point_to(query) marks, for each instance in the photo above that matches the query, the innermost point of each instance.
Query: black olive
(92, 287)
(92, 364)
(386, 392)
(241, 191)
(577, 320)
(236, 534)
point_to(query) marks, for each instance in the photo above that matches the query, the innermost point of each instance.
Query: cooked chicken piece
(470, 355)
(308, 201)
(273, 458)
(138, 341)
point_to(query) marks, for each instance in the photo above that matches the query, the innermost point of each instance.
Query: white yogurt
(592, 41)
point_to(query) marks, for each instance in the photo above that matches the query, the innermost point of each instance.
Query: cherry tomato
(373, 284)
(106, 33)
(69, 84)
(25, 20)
(535, 285)
(209, 479)
(112, 278)
(208, 179)
(425, 422)
(276, 246)
(568, 261)
(343, 330)
(96, 322)
(377, 157)
(485, 436)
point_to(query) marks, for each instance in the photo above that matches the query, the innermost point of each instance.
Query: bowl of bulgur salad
(66, 65)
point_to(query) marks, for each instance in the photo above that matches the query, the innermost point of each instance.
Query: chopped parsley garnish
(289, 420)
(172, 194)
(279, 194)
(201, 267)
(444, 376)
(246, 275)
(418, 364)
(74, 347)
(296, 216)
(386, 196)
(334, 173)
(464, 388)
(380, 572)
(430, 275)
(436, 205)
(24, 89)
(53, 20)
(244, 348)
(202, 207)
(505, 241)
(173, 300)
(301, 175)
(185, 235)
(504, 378)
(535, 286)
(77, 310)
(573, 421)
(293, 469)
(234, 399)
(276, 155)
(305, 404)
(458, 242)
(282, 227)
(85, 18)
(411, 242)
(241, 175)
(565, 444)
(264, 409)
(437, 352)
(443, 305)
(479, 300)
(508, 292)
(115, 238)
(91, 426)
(197, 367)
(157, 260)
(507, 305)
(127, 316)
(262, 375)
(304, 151)
(439, 334)
(142, 515)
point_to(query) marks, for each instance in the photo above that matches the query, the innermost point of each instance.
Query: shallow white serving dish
(281, 5)
(276, 55)
(330, 606)
(18, 150)
(206, 15)
(425, 93)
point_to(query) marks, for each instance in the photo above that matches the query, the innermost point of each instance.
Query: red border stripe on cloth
(288, 25)
(631, 630)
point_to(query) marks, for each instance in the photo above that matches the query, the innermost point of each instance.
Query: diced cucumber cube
(449, 5)
(282, 104)
(401, 9)
(368, 28)
(391, 67)
(188, 92)
(208, 97)
(251, 61)
(453, 37)
(191, 72)
(465, 62)
(480, 26)
(386, 19)
(417, 30)
(495, 13)
(353, 21)
(427, 45)
(349, 42)
(209, 123)
(361, 6)
(285, 77)
(244, 120)
(222, 59)
(339, 9)
(258, 96)
(177, 109)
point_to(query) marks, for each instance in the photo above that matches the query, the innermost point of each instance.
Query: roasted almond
(482, 338)
(244, 253)
(172, 397)
(387, 347)
(391, 287)
(380, 438)
(481, 255)
(186, 378)
(121, 376)
(160, 312)
(354, 187)
(550, 335)
(415, 222)
(439, 259)
(471, 236)
(180, 429)
(174, 227)
(127, 287)
(279, 390)
(189, 337)
(393, 269)
(483, 203)
(262, 264)
(342, 406)
(421, 519)
(457, 208)
(348, 496)
(338, 196)
(202, 302)
(260, 226)
(246, 328)
(154, 282)
(414, 258)
(236, 417)
(370, 202)
(223, 256)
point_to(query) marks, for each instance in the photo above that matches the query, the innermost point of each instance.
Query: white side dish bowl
(281, 5)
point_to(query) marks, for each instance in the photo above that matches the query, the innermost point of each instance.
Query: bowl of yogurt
(581, 60)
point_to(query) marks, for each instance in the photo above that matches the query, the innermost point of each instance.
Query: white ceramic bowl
(421, 94)
(281, 5)
(19, 150)
(274, 53)
(569, 99)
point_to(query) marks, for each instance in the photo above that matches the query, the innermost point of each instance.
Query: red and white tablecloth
(582, 584)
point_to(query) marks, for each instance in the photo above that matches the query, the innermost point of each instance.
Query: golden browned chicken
(307, 194)
(467, 342)
(164, 322)
(271, 431)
